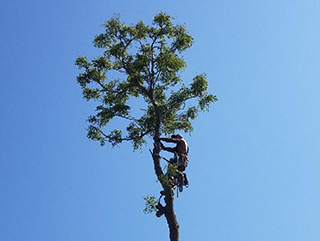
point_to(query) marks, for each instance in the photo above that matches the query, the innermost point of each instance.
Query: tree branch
(126, 138)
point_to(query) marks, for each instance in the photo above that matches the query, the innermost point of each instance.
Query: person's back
(182, 146)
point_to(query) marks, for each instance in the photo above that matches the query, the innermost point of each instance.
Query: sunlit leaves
(150, 204)
(169, 64)
(163, 20)
(89, 93)
(205, 101)
(199, 85)
(82, 62)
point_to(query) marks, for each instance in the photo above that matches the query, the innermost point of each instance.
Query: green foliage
(150, 204)
(141, 61)
(172, 170)
(167, 178)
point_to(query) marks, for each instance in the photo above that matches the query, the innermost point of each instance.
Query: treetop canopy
(148, 60)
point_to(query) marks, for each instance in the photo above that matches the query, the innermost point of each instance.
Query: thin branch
(128, 118)
(125, 138)
(110, 137)
(179, 103)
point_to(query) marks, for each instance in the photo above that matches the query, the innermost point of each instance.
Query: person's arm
(172, 140)
(169, 149)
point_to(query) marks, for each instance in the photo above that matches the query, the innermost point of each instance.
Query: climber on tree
(180, 153)
(180, 159)
(180, 150)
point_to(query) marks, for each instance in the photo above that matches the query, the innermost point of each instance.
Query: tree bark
(169, 212)
(171, 216)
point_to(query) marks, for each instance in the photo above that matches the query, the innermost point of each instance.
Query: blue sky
(254, 161)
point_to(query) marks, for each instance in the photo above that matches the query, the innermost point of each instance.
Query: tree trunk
(171, 216)
(168, 192)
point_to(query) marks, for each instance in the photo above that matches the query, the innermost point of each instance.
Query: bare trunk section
(171, 216)
(168, 192)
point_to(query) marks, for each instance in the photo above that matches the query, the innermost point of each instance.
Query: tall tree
(143, 61)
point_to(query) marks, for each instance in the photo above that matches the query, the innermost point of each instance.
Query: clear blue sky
(254, 168)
